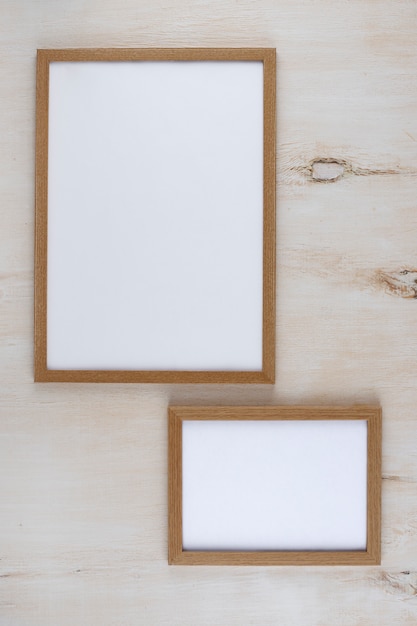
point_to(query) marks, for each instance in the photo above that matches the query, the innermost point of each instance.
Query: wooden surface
(44, 58)
(83, 482)
(178, 556)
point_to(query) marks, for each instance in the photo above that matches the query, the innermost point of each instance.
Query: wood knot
(402, 584)
(402, 283)
(328, 170)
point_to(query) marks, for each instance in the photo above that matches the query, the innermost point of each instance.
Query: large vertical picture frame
(274, 485)
(155, 215)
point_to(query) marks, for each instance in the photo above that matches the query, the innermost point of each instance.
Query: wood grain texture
(46, 56)
(370, 556)
(83, 481)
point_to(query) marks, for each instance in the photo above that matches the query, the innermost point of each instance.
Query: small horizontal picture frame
(155, 215)
(274, 485)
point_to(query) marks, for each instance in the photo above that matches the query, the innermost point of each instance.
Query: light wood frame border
(370, 556)
(44, 58)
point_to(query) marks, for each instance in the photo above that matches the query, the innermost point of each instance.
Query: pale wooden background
(83, 511)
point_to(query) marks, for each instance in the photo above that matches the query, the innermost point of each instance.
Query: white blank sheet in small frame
(274, 485)
(155, 216)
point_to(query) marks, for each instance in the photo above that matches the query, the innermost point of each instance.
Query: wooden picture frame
(114, 303)
(364, 484)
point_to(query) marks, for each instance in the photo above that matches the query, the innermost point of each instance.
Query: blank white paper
(274, 485)
(155, 215)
